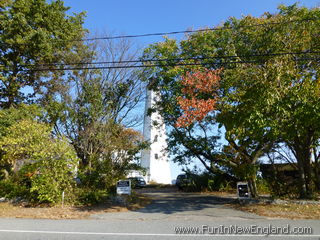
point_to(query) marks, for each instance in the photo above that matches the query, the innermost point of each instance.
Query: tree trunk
(12, 89)
(303, 154)
(302, 181)
(317, 175)
(308, 175)
(253, 187)
(316, 170)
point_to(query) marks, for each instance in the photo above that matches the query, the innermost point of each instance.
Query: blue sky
(148, 16)
(131, 17)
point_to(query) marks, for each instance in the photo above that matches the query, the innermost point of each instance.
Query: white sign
(243, 190)
(124, 187)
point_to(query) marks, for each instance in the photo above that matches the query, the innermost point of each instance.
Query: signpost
(243, 190)
(124, 187)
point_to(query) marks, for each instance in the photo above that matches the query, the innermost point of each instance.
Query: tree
(9, 117)
(49, 164)
(35, 36)
(266, 94)
(111, 152)
(188, 140)
(275, 99)
(194, 104)
(96, 110)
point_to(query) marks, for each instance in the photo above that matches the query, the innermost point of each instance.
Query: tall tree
(34, 35)
(274, 99)
(268, 90)
(188, 140)
(97, 108)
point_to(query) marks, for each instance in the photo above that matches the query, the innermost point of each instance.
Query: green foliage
(10, 116)
(263, 186)
(11, 189)
(47, 165)
(89, 196)
(34, 32)
(110, 151)
(95, 112)
(91, 108)
(205, 181)
(267, 95)
(276, 99)
(198, 183)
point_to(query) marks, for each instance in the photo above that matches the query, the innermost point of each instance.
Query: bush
(48, 165)
(89, 196)
(10, 190)
(208, 182)
(6, 186)
(262, 186)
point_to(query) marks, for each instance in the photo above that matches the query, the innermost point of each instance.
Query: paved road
(169, 211)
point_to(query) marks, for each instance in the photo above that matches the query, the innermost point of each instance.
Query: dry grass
(291, 211)
(9, 210)
(139, 202)
(231, 193)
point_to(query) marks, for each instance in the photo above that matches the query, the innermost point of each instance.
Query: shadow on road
(169, 201)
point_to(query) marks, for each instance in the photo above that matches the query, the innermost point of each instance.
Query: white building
(155, 158)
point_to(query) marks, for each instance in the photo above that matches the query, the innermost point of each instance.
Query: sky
(133, 17)
(150, 16)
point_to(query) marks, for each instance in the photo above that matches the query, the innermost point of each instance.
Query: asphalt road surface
(172, 215)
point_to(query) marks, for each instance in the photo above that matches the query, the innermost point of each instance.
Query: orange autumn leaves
(195, 86)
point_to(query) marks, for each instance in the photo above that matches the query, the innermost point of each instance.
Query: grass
(285, 210)
(10, 210)
(290, 210)
(136, 201)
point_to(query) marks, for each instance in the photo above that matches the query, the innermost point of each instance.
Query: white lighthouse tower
(155, 158)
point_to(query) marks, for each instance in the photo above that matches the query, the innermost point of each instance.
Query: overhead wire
(174, 59)
(167, 59)
(66, 66)
(178, 32)
(316, 59)
(194, 31)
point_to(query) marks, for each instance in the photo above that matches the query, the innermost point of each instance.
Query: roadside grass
(22, 210)
(137, 200)
(229, 193)
(282, 210)
(158, 185)
(288, 210)
(273, 210)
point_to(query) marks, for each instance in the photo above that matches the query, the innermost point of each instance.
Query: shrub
(208, 182)
(89, 196)
(10, 189)
(49, 164)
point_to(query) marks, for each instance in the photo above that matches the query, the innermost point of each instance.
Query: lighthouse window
(156, 156)
(156, 138)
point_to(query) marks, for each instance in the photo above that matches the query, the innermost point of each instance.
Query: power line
(185, 59)
(172, 59)
(178, 32)
(163, 65)
(194, 31)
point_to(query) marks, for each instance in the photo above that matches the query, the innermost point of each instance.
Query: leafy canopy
(268, 89)
(49, 163)
(34, 34)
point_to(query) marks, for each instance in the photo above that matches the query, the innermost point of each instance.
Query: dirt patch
(157, 188)
(139, 202)
(9, 210)
(228, 194)
(290, 211)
